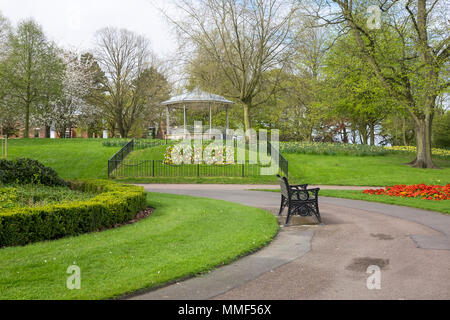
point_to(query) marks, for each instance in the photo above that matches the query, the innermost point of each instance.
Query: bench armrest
(308, 194)
(301, 186)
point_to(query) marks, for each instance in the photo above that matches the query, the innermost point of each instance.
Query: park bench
(299, 200)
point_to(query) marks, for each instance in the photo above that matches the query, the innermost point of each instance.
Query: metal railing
(119, 167)
(157, 168)
(119, 157)
(283, 163)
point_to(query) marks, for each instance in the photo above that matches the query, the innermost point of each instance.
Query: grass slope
(363, 171)
(80, 158)
(438, 206)
(71, 158)
(184, 236)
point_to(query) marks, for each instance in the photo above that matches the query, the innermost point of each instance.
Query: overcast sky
(73, 23)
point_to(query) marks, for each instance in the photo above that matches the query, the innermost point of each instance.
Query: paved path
(411, 246)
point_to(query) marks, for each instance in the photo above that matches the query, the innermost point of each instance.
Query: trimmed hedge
(114, 204)
(26, 171)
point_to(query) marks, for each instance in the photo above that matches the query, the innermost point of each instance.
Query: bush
(28, 171)
(114, 204)
(34, 195)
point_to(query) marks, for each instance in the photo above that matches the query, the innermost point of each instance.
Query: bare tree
(5, 29)
(123, 56)
(409, 54)
(246, 39)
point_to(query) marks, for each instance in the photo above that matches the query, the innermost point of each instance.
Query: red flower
(414, 191)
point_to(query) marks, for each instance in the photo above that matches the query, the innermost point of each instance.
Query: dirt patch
(361, 264)
(381, 236)
(139, 216)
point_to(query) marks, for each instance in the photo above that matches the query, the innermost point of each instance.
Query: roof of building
(196, 96)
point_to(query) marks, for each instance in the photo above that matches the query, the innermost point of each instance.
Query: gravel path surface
(410, 246)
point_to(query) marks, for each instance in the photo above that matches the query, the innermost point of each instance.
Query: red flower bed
(414, 191)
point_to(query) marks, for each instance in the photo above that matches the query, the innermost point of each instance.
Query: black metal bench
(299, 199)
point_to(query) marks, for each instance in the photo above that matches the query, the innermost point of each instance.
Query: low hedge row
(113, 204)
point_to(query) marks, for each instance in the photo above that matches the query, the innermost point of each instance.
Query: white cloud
(73, 23)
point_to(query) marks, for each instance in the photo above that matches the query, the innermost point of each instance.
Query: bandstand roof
(196, 96)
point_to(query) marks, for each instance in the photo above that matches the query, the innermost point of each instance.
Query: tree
(124, 57)
(5, 30)
(29, 69)
(245, 40)
(76, 82)
(353, 90)
(409, 55)
(8, 113)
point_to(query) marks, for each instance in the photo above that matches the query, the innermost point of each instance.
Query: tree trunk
(405, 143)
(372, 133)
(423, 142)
(345, 134)
(363, 134)
(247, 124)
(26, 133)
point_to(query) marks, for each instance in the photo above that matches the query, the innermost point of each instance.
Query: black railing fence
(157, 168)
(282, 162)
(120, 167)
(119, 157)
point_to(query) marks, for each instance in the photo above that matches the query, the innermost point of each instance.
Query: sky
(72, 23)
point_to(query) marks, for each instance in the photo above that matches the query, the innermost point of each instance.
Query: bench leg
(283, 205)
(288, 219)
(317, 213)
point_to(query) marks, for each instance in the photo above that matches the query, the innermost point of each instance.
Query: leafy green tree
(29, 73)
(408, 52)
(354, 92)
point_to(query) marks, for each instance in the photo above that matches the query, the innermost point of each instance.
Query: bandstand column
(185, 120)
(210, 118)
(167, 121)
(228, 119)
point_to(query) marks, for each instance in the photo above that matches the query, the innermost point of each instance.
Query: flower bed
(443, 153)
(177, 154)
(113, 204)
(422, 191)
(331, 148)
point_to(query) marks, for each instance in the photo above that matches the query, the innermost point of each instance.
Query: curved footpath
(411, 247)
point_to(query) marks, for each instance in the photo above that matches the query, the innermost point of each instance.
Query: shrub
(114, 204)
(28, 171)
(33, 195)
(8, 198)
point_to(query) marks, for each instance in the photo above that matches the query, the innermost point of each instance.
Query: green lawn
(71, 158)
(326, 170)
(363, 171)
(155, 153)
(185, 236)
(439, 206)
(80, 158)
